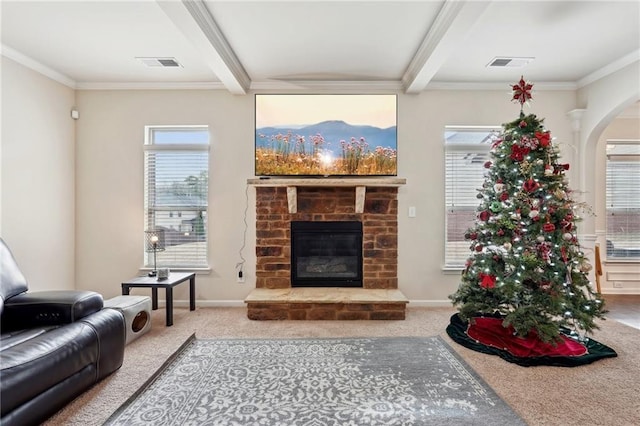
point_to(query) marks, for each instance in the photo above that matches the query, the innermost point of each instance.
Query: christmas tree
(526, 266)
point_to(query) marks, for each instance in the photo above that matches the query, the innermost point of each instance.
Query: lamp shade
(154, 236)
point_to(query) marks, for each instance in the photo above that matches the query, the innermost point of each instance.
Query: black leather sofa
(53, 345)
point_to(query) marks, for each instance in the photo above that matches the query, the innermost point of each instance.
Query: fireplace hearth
(326, 254)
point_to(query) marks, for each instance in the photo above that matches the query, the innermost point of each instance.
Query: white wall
(38, 179)
(628, 275)
(110, 181)
(39, 204)
(603, 101)
(110, 227)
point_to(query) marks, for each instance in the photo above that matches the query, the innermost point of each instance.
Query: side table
(154, 284)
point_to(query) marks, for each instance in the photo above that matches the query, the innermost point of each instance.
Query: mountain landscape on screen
(327, 148)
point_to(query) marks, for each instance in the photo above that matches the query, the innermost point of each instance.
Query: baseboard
(430, 303)
(206, 303)
(630, 291)
(240, 303)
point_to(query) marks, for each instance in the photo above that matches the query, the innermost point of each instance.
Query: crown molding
(160, 85)
(34, 65)
(359, 86)
(539, 86)
(610, 69)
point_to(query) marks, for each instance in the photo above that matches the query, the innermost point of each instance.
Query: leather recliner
(53, 345)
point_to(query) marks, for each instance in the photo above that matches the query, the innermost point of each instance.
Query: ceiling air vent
(506, 62)
(159, 62)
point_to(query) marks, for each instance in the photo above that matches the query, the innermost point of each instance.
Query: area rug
(315, 382)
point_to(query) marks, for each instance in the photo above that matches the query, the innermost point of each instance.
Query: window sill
(452, 270)
(634, 261)
(198, 271)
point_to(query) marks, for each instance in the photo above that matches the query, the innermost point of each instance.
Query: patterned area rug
(316, 382)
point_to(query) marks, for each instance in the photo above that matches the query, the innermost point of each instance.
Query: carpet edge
(151, 379)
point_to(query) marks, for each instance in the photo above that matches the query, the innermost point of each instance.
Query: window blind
(466, 152)
(623, 199)
(176, 164)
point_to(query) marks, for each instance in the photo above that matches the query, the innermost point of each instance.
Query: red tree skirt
(487, 335)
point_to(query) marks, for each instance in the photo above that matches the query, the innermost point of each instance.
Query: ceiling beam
(194, 20)
(449, 29)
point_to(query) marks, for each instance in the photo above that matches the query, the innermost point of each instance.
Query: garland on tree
(526, 265)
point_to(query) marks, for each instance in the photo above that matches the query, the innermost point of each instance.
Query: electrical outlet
(240, 276)
(617, 284)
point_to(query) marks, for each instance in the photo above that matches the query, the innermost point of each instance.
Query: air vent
(507, 62)
(159, 62)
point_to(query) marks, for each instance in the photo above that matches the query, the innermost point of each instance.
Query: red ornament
(484, 215)
(479, 248)
(487, 280)
(548, 227)
(543, 138)
(522, 124)
(530, 185)
(504, 196)
(522, 91)
(487, 165)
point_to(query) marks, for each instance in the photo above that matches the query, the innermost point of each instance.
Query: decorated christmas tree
(527, 268)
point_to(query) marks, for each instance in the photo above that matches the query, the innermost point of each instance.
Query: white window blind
(623, 199)
(176, 188)
(466, 152)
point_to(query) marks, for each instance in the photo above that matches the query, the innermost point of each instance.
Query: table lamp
(154, 242)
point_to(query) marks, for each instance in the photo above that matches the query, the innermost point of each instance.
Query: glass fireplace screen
(326, 254)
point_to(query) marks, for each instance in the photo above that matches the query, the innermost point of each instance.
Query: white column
(580, 167)
(584, 172)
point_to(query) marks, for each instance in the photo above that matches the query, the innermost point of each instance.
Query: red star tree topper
(522, 92)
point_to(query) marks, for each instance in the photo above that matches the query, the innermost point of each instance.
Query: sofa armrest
(41, 308)
(110, 328)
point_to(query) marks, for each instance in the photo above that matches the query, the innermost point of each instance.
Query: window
(466, 152)
(176, 187)
(623, 199)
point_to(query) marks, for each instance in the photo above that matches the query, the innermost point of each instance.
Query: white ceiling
(243, 45)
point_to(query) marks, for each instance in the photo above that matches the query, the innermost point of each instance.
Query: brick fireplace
(372, 202)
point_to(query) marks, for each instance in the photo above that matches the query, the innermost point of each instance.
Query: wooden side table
(154, 284)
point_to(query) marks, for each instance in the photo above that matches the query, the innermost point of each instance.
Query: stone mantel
(360, 184)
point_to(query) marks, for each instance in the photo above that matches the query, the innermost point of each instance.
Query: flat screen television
(325, 135)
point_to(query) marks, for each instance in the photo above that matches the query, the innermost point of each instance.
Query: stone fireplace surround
(372, 201)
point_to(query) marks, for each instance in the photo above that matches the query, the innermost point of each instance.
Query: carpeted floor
(288, 382)
(603, 393)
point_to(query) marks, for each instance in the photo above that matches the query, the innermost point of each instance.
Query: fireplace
(326, 249)
(379, 221)
(326, 254)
